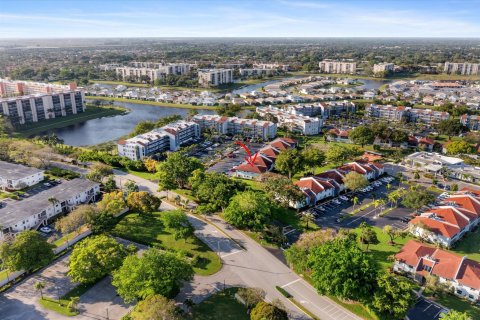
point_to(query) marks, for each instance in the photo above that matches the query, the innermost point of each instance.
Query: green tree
(455, 315)
(250, 210)
(289, 162)
(355, 181)
(143, 202)
(175, 171)
(130, 186)
(393, 233)
(112, 203)
(281, 189)
(39, 286)
(368, 236)
(94, 258)
(340, 268)
(337, 153)
(362, 135)
(142, 127)
(28, 251)
(178, 221)
(98, 171)
(416, 175)
(393, 296)
(101, 222)
(156, 272)
(267, 311)
(459, 147)
(251, 296)
(450, 127)
(110, 185)
(155, 307)
(73, 304)
(313, 158)
(418, 199)
(168, 119)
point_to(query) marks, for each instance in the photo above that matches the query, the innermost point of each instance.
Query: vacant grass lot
(469, 246)
(221, 306)
(149, 229)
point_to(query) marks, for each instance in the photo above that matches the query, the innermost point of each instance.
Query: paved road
(251, 266)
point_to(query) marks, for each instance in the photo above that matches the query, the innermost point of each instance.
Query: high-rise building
(329, 66)
(214, 77)
(25, 102)
(383, 67)
(464, 68)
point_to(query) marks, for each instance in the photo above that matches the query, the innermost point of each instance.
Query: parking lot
(335, 213)
(425, 310)
(234, 158)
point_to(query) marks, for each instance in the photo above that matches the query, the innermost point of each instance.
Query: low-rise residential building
(139, 70)
(472, 122)
(167, 138)
(338, 135)
(419, 261)
(256, 72)
(251, 128)
(408, 114)
(265, 159)
(214, 77)
(463, 68)
(39, 209)
(26, 102)
(383, 67)
(330, 66)
(448, 222)
(294, 122)
(432, 162)
(16, 176)
(274, 66)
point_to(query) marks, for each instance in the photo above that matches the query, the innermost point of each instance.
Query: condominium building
(167, 138)
(152, 70)
(323, 110)
(276, 66)
(295, 122)
(214, 77)
(329, 66)
(398, 113)
(16, 176)
(472, 122)
(383, 67)
(256, 72)
(39, 209)
(463, 68)
(26, 102)
(253, 128)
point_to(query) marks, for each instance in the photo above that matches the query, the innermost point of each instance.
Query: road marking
(231, 253)
(292, 282)
(427, 307)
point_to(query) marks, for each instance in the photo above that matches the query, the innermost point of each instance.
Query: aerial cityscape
(239, 160)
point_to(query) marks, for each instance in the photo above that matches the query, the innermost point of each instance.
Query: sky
(240, 18)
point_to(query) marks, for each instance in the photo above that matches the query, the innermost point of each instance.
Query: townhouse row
(331, 183)
(16, 176)
(305, 125)
(265, 159)
(408, 114)
(449, 220)
(419, 261)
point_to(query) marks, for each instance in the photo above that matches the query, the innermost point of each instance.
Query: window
(427, 268)
(470, 296)
(460, 292)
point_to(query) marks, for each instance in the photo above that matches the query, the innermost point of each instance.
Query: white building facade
(214, 77)
(15, 176)
(329, 66)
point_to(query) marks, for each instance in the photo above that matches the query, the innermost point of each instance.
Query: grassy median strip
(61, 306)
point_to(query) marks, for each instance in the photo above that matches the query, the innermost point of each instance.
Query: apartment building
(252, 128)
(472, 122)
(323, 110)
(152, 70)
(39, 209)
(383, 67)
(463, 68)
(27, 102)
(419, 260)
(294, 122)
(256, 72)
(167, 138)
(16, 176)
(275, 66)
(399, 113)
(448, 222)
(214, 77)
(329, 66)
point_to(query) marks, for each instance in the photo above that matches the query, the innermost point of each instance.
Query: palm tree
(378, 203)
(72, 305)
(53, 201)
(307, 218)
(39, 286)
(355, 202)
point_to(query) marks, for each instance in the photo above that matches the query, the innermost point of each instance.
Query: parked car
(344, 198)
(46, 229)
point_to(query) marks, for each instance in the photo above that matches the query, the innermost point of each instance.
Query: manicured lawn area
(221, 306)
(61, 306)
(456, 303)
(149, 229)
(383, 250)
(252, 184)
(469, 245)
(142, 174)
(90, 113)
(356, 308)
(185, 193)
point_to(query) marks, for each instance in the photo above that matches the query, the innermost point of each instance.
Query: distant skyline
(228, 18)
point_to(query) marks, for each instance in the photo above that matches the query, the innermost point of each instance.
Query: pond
(105, 129)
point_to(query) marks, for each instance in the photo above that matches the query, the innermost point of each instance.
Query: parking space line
(231, 253)
(292, 282)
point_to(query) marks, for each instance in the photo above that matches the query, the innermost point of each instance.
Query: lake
(105, 129)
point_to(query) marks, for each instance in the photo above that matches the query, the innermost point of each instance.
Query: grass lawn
(469, 245)
(142, 174)
(185, 193)
(220, 306)
(68, 237)
(356, 308)
(90, 113)
(117, 83)
(380, 252)
(456, 303)
(60, 306)
(149, 229)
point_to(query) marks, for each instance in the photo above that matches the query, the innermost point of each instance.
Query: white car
(46, 229)
(343, 198)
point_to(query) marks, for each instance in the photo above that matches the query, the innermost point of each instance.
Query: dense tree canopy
(155, 272)
(112, 203)
(175, 171)
(94, 258)
(143, 202)
(362, 135)
(450, 127)
(281, 189)
(155, 307)
(455, 315)
(393, 296)
(459, 147)
(313, 158)
(28, 251)
(337, 153)
(250, 210)
(355, 181)
(290, 162)
(267, 311)
(418, 199)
